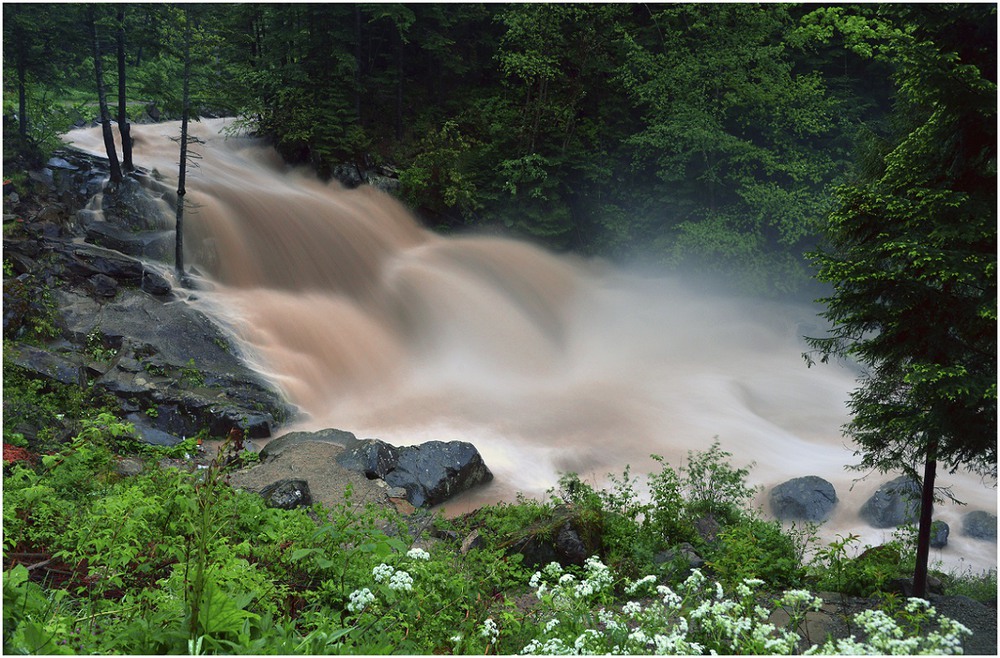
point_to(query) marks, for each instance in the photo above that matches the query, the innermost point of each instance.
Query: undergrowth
(177, 561)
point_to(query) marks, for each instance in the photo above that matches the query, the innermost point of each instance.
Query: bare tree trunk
(179, 230)
(123, 126)
(357, 62)
(22, 101)
(924, 530)
(109, 138)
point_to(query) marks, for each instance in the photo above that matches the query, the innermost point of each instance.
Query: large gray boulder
(895, 503)
(433, 472)
(809, 498)
(980, 525)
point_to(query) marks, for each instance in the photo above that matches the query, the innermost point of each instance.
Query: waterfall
(548, 364)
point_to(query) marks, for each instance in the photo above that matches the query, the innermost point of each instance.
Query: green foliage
(191, 375)
(868, 571)
(756, 548)
(34, 317)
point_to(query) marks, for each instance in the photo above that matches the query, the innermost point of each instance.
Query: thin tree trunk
(357, 62)
(399, 90)
(109, 138)
(123, 127)
(179, 229)
(22, 100)
(924, 530)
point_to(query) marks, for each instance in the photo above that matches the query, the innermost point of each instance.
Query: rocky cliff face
(87, 304)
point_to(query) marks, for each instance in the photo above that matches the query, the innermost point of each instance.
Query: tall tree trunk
(123, 127)
(357, 62)
(22, 99)
(179, 229)
(399, 90)
(109, 137)
(924, 531)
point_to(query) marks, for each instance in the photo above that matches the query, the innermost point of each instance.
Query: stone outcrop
(78, 314)
(425, 475)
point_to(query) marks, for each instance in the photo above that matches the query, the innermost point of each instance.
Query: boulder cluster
(894, 503)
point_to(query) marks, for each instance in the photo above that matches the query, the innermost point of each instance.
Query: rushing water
(547, 364)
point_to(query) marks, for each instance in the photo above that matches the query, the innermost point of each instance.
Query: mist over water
(371, 324)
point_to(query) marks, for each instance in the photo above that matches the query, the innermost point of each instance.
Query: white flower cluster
(398, 579)
(698, 618)
(597, 578)
(383, 572)
(418, 554)
(360, 599)
(401, 580)
(884, 636)
(490, 631)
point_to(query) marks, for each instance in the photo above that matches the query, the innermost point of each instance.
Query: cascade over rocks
(118, 324)
(809, 498)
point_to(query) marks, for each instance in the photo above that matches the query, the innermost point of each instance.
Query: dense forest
(707, 135)
(788, 149)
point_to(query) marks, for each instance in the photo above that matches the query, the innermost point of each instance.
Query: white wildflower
(646, 580)
(382, 572)
(550, 624)
(536, 578)
(553, 569)
(360, 598)
(401, 580)
(418, 554)
(490, 630)
(632, 608)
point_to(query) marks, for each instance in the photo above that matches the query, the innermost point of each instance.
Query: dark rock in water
(435, 471)
(980, 525)
(809, 498)
(157, 245)
(154, 284)
(939, 534)
(372, 457)
(292, 439)
(287, 494)
(894, 504)
(348, 175)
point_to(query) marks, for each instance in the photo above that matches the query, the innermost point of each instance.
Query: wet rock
(287, 494)
(103, 285)
(372, 457)
(435, 471)
(980, 525)
(895, 503)
(939, 534)
(293, 439)
(809, 498)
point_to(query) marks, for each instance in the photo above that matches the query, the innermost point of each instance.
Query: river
(548, 364)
